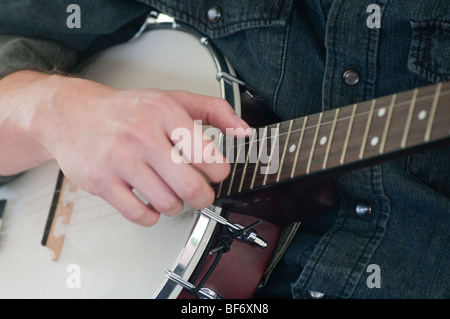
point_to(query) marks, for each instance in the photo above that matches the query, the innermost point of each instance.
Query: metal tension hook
(248, 236)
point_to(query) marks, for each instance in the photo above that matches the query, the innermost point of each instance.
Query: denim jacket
(294, 54)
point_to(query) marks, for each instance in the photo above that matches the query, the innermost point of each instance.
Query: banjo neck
(337, 139)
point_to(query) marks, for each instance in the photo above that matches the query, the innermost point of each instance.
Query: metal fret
(221, 183)
(314, 143)
(409, 118)
(246, 159)
(272, 146)
(236, 160)
(285, 148)
(349, 130)
(333, 127)
(433, 111)
(259, 157)
(366, 132)
(299, 144)
(388, 123)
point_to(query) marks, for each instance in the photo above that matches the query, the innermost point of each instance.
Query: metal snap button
(214, 14)
(351, 77)
(363, 209)
(316, 294)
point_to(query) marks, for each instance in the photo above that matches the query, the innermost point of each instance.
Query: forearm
(21, 95)
(21, 92)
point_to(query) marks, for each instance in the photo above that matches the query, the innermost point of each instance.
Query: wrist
(23, 95)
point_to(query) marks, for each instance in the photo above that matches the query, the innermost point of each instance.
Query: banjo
(95, 253)
(57, 241)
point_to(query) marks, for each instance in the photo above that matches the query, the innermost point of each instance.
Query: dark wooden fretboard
(338, 138)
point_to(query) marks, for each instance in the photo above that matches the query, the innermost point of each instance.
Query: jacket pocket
(429, 54)
(432, 169)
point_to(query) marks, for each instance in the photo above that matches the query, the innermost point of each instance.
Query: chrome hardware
(230, 79)
(363, 209)
(203, 293)
(214, 14)
(251, 236)
(351, 77)
(316, 294)
(153, 19)
(2, 209)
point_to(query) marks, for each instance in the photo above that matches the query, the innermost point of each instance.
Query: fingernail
(244, 124)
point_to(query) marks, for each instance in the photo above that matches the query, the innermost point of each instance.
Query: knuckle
(96, 184)
(192, 190)
(157, 101)
(221, 102)
(208, 198)
(130, 141)
(199, 196)
(220, 173)
(135, 129)
(170, 206)
(117, 154)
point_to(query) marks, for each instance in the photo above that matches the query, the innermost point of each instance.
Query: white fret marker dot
(374, 141)
(292, 148)
(422, 115)
(323, 140)
(381, 112)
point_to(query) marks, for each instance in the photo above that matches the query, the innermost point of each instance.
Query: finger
(213, 111)
(130, 206)
(197, 148)
(185, 180)
(159, 195)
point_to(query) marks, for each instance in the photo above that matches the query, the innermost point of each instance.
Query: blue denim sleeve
(21, 53)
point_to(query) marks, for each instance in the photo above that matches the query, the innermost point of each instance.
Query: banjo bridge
(59, 211)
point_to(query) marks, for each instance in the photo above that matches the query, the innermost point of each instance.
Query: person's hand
(110, 141)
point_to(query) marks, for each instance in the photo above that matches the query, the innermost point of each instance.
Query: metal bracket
(2, 209)
(230, 79)
(203, 293)
(250, 236)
